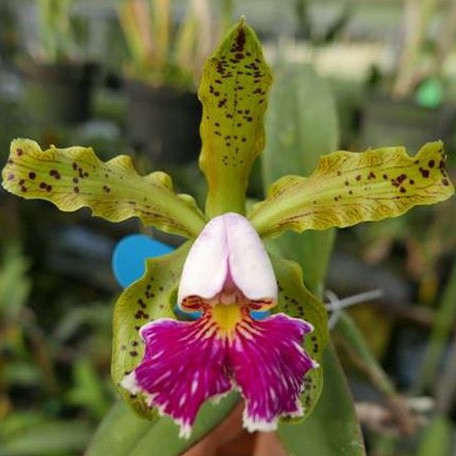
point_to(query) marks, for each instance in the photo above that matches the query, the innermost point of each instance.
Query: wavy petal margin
(348, 188)
(183, 366)
(150, 298)
(233, 92)
(74, 177)
(186, 363)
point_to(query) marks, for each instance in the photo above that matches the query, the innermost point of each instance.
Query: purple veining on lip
(186, 363)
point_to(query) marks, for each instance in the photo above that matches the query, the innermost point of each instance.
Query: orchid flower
(223, 271)
(227, 274)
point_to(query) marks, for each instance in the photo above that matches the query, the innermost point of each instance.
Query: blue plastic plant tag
(130, 254)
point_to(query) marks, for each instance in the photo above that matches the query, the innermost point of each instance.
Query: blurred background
(121, 76)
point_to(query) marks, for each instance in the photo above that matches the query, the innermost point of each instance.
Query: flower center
(226, 316)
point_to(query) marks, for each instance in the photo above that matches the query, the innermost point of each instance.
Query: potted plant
(162, 74)
(408, 106)
(59, 78)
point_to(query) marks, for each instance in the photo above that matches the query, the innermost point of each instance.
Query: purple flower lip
(227, 274)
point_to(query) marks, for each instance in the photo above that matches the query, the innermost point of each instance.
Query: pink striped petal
(183, 365)
(269, 365)
(186, 363)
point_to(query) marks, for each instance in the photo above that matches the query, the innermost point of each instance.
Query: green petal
(296, 301)
(74, 177)
(150, 298)
(348, 188)
(233, 92)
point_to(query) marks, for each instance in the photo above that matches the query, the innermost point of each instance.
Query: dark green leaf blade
(163, 438)
(332, 428)
(119, 432)
(301, 124)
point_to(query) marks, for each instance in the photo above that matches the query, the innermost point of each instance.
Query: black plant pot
(390, 122)
(163, 122)
(58, 93)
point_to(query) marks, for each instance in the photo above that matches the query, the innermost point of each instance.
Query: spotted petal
(349, 188)
(150, 298)
(233, 92)
(296, 301)
(73, 178)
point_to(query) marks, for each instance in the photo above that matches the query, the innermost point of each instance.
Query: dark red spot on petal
(424, 172)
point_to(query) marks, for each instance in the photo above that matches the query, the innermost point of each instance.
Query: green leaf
(302, 125)
(296, 301)
(50, 438)
(74, 177)
(233, 92)
(151, 297)
(437, 345)
(301, 122)
(163, 438)
(349, 188)
(88, 390)
(119, 432)
(332, 428)
(122, 433)
(355, 341)
(437, 438)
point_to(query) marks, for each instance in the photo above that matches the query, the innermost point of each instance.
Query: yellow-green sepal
(348, 188)
(233, 92)
(296, 301)
(151, 297)
(74, 177)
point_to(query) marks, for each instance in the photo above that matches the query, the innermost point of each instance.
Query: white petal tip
(259, 425)
(185, 431)
(130, 384)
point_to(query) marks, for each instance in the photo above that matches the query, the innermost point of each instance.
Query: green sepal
(73, 178)
(348, 188)
(296, 301)
(233, 92)
(151, 297)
